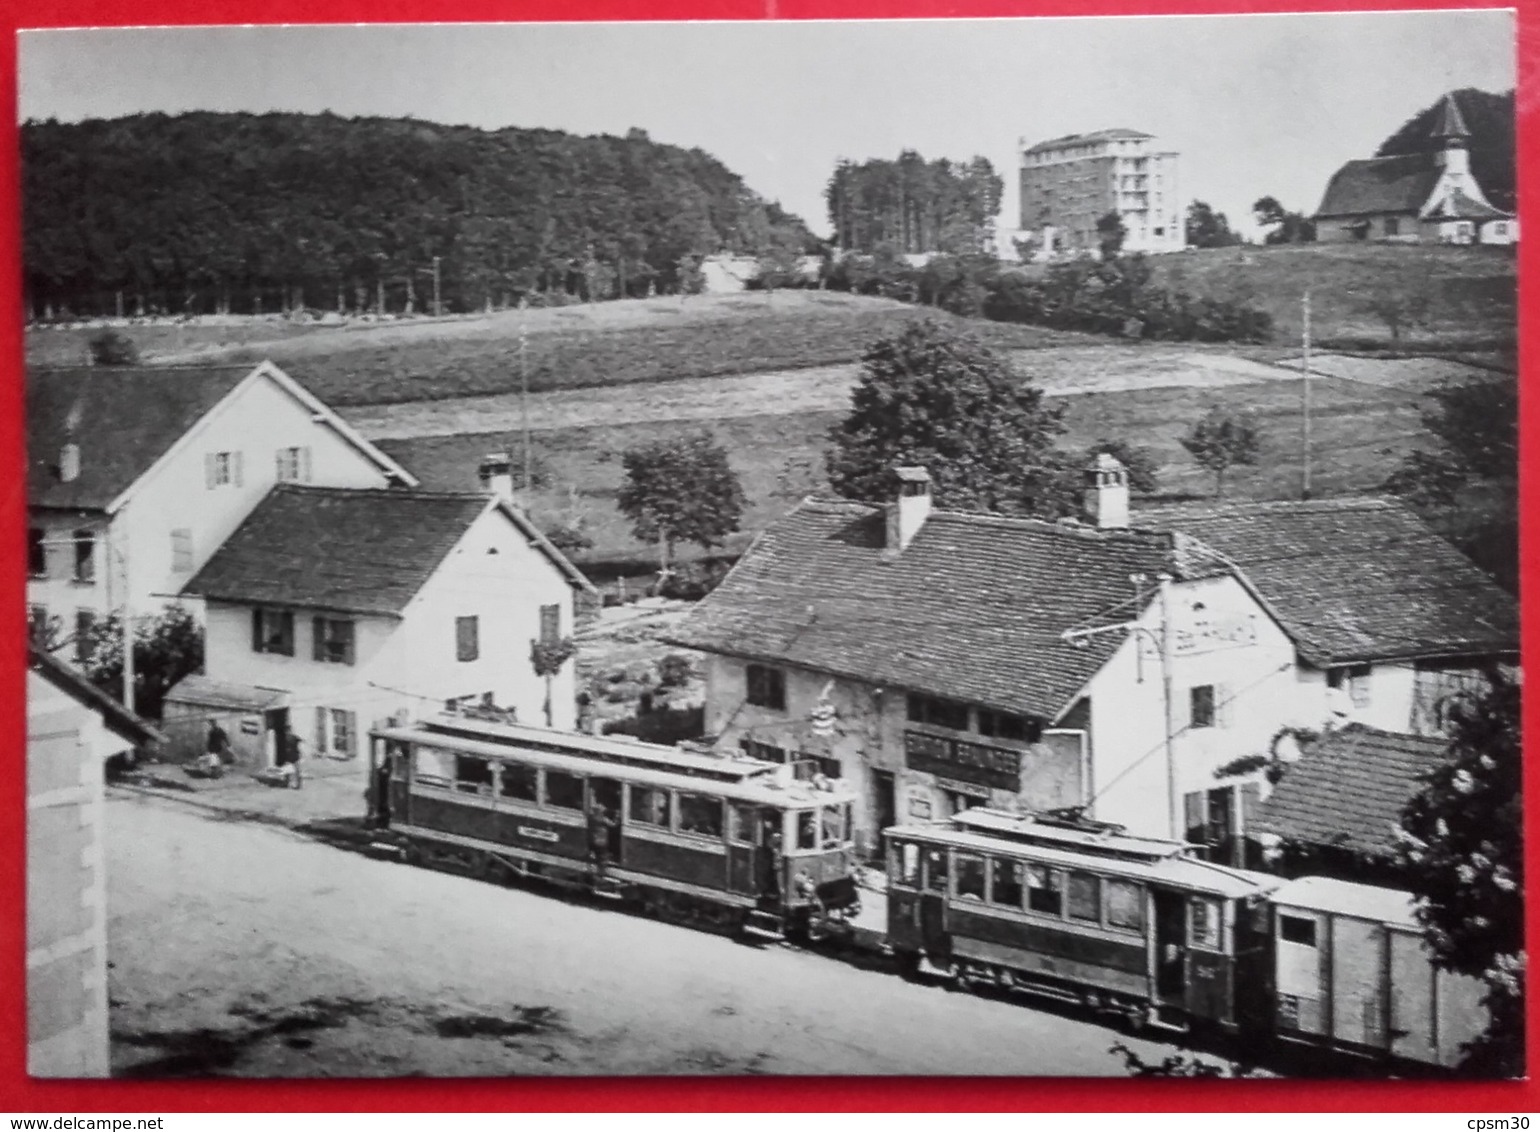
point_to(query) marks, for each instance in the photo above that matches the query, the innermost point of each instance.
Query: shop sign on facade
(994, 767)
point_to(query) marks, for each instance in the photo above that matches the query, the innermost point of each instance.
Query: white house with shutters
(137, 474)
(330, 610)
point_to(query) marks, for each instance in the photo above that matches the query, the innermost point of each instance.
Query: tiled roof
(1355, 579)
(1380, 184)
(355, 551)
(123, 418)
(204, 692)
(117, 717)
(1349, 789)
(1458, 206)
(1114, 134)
(971, 609)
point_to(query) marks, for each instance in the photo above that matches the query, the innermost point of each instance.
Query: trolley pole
(1305, 383)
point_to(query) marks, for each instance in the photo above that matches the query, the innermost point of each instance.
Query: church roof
(1458, 206)
(1378, 185)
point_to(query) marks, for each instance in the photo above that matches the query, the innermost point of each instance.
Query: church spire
(1451, 124)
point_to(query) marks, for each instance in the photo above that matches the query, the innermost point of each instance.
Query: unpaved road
(251, 950)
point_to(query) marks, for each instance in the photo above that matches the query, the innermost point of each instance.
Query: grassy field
(1473, 292)
(620, 343)
(1359, 434)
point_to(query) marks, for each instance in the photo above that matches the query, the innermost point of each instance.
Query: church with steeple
(1418, 198)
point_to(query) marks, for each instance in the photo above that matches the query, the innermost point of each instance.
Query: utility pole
(1305, 383)
(1173, 795)
(121, 549)
(438, 305)
(524, 391)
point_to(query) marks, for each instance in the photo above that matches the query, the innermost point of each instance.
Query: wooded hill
(914, 205)
(1489, 117)
(218, 213)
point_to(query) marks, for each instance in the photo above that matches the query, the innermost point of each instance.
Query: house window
(1500, 228)
(1392, 226)
(550, 623)
(1003, 725)
(1201, 706)
(467, 638)
(222, 469)
(938, 712)
(333, 640)
(1353, 679)
(272, 631)
(37, 552)
(767, 687)
(1210, 816)
(344, 733)
(294, 465)
(181, 551)
(85, 557)
(37, 624)
(85, 635)
(1297, 929)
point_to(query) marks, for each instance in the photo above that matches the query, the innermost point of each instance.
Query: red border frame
(837, 1094)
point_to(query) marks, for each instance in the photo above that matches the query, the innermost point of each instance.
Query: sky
(1255, 105)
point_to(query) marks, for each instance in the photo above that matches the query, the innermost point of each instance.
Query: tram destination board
(995, 767)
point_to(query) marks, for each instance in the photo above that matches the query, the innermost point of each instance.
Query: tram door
(1170, 946)
(604, 793)
(933, 902)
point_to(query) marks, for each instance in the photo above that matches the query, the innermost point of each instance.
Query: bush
(667, 726)
(109, 348)
(674, 670)
(694, 580)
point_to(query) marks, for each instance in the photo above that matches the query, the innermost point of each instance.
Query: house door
(884, 806)
(276, 722)
(1170, 946)
(604, 794)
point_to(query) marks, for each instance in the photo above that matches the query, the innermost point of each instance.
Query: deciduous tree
(939, 398)
(1221, 440)
(1207, 228)
(681, 490)
(167, 647)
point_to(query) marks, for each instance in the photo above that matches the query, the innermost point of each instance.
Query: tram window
(1125, 905)
(1297, 929)
(700, 815)
(970, 877)
(807, 829)
(1085, 897)
(649, 805)
(741, 826)
(397, 753)
(521, 782)
(563, 790)
(432, 768)
(935, 870)
(833, 826)
(1205, 923)
(472, 775)
(1044, 893)
(906, 856)
(1005, 882)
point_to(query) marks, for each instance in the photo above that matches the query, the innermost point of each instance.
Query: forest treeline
(243, 213)
(913, 206)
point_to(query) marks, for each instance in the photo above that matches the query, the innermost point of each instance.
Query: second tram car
(1135, 926)
(721, 839)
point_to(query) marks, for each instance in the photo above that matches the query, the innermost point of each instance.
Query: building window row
(332, 638)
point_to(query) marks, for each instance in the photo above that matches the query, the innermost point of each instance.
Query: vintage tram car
(693, 835)
(1139, 927)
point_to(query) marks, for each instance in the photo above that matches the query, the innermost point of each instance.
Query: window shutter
(318, 638)
(320, 730)
(347, 641)
(208, 469)
(235, 468)
(304, 464)
(1222, 697)
(256, 630)
(281, 466)
(350, 720)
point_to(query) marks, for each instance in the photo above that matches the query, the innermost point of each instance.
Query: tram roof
(1111, 842)
(760, 784)
(1184, 873)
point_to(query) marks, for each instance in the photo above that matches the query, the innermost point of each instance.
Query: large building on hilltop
(1069, 183)
(1415, 198)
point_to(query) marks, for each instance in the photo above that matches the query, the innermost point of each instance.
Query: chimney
(496, 474)
(69, 462)
(1106, 492)
(908, 513)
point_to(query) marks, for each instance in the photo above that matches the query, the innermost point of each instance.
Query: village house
(1429, 198)
(136, 475)
(939, 660)
(329, 610)
(72, 730)
(1389, 619)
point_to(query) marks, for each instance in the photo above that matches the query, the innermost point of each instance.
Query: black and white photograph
(924, 548)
